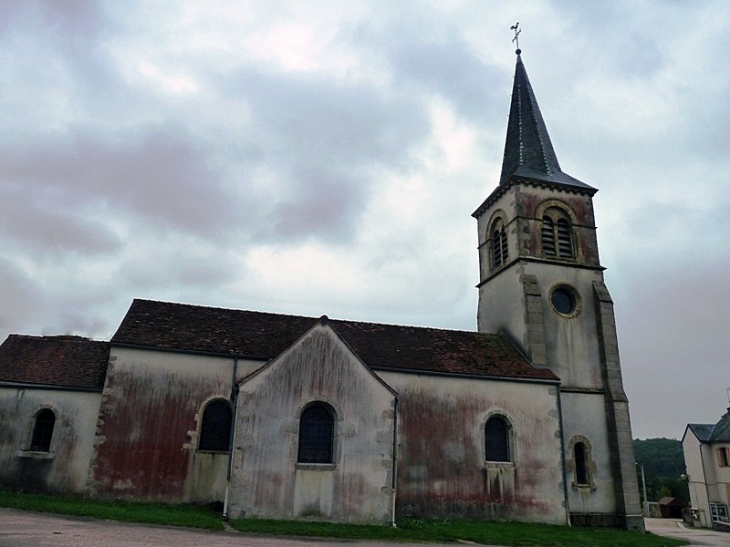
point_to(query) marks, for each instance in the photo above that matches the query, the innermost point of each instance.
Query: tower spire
(528, 152)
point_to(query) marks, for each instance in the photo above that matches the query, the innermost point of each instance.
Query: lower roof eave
(52, 387)
(551, 381)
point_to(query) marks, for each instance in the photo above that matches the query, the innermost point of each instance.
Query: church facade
(279, 416)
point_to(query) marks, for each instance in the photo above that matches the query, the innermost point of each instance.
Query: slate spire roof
(528, 152)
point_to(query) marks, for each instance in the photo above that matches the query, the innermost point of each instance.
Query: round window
(565, 300)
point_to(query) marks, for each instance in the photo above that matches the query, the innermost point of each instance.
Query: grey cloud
(38, 223)
(325, 142)
(443, 63)
(159, 176)
(326, 204)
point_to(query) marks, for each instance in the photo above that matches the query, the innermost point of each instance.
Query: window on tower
(581, 461)
(557, 234)
(498, 244)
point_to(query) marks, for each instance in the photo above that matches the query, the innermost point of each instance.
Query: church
(290, 417)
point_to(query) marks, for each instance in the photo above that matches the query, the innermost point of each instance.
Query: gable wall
(442, 470)
(148, 428)
(62, 470)
(268, 482)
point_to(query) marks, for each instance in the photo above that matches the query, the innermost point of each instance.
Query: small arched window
(45, 420)
(557, 234)
(498, 244)
(316, 434)
(579, 457)
(581, 452)
(215, 427)
(496, 438)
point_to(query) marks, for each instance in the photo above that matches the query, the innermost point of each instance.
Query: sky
(322, 157)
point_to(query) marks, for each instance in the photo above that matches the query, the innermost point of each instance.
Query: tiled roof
(259, 335)
(528, 151)
(65, 361)
(718, 433)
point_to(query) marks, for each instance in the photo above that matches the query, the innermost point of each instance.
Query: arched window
(316, 434)
(557, 234)
(582, 464)
(498, 244)
(215, 428)
(43, 431)
(579, 457)
(496, 438)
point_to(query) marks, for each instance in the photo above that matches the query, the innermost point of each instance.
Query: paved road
(696, 536)
(27, 529)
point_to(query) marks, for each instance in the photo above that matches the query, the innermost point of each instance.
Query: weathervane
(516, 39)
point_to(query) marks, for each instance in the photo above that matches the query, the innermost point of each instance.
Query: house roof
(668, 500)
(528, 151)
(65, 361)
(257, 335)
(709, 433)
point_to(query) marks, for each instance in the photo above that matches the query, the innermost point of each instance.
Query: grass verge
(149, 513)
(408, 530)
(445, 531)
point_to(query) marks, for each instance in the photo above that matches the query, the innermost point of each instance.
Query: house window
(43, 431)
(557, 234)
(498, 244)
(316, 434)
(579, 457)
(722, 457)
(718, 511)
(496, 439)
(215, 428)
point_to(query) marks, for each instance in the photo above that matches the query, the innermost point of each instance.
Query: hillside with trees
(663, 462)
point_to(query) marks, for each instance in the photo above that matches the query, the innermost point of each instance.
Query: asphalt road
(27, 529)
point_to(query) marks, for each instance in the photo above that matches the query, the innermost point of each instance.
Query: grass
(192, 516)
(408, 530)
(445, 531)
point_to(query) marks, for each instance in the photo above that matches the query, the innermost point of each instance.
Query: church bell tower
(541, 283)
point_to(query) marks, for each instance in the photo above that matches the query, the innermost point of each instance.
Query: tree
(663, 461)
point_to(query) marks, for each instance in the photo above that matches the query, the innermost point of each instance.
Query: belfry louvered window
(498, 243)
(548, 236)
(565, 245)
(557, 234)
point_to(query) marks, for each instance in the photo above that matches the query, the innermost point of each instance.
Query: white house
(707, 459)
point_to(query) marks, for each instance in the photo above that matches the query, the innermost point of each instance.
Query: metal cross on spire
(516, 39)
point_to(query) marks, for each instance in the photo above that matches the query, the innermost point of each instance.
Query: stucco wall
(268, 482)
(150, 418)
(64, 468)
(442, 470)
(696, 469)
(587, 424)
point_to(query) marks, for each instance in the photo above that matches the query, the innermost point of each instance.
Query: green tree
(663, 461)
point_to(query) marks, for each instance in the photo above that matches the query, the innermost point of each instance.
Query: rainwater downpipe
(394, 479)
(234, 403)
(562, 457)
